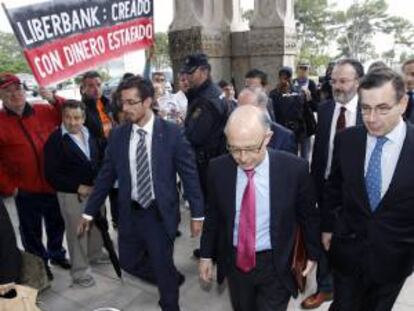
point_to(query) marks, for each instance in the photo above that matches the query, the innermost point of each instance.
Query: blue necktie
(144, 182)
(373, 179)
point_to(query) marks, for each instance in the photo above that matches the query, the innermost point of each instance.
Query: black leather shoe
(63, 263)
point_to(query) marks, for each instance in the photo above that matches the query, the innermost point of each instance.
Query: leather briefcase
(299, 259)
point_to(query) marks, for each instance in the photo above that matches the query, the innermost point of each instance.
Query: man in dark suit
(282, 138)
(257, 199)
(408, 74)
(145, 155)
(333, 116)
(368, 216)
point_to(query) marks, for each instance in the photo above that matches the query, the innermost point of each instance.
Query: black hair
(359, 69)
(144, 86)
(256, 73)
(379, 77)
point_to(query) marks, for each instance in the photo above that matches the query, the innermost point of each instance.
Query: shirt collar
(352, 105)
(262, 168)
(148, 127)
(396, 135)
(84, 130)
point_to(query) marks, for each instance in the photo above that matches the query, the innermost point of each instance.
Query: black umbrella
(102, 224)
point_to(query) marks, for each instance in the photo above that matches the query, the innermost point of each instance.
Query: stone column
(272, 38)
(202, 26)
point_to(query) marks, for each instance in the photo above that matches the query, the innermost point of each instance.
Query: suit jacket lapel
(358, 166)
(74, 147)
(156, 151)
(229, 193)
(125, 139)
(327, 116)
(404, 161)
(277, 182)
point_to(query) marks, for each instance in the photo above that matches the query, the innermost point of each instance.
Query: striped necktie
(144, 188)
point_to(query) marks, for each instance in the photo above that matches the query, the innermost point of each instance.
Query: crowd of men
(240, 161)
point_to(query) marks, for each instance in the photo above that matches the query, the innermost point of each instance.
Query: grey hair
(260, 96)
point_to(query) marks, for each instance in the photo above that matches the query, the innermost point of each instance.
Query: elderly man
(23, 132)
(368, 215)
(282, 138)
(258, 198)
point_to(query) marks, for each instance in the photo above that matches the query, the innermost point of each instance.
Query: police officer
(206, 115)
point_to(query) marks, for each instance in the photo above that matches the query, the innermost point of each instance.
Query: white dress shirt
(350, 120)
(390, 153)
(134, 139)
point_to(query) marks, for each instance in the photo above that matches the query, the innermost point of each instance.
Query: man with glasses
(333, 116)
(368, 215)
(23, 132)
(145, 155)
(257, 198)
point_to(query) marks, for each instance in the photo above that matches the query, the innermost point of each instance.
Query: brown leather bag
(299, 259)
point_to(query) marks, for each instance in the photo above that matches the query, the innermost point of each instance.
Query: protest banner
(61, 39)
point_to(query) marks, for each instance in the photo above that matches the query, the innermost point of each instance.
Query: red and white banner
(63, 40)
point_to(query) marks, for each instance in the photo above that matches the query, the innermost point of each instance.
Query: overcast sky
(163, 14)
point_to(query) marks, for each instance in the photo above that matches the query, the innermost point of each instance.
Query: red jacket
(21, 147)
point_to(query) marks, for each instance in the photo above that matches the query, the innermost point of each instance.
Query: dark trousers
(31, 209)
(148, 253)
(324, 274)
(356, 292)
(261, 289)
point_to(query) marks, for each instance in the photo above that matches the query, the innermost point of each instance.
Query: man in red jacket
(23, 132)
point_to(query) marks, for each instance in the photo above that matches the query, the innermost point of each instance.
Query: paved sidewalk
(134, 295)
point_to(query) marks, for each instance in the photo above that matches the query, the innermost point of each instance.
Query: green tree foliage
(357, 25)
(314, 31)
(161, 57)
(11, 56)
(319, 24)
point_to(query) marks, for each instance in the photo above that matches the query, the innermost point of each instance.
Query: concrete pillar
(202, 26)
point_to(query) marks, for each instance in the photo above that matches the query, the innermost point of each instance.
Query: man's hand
(205, 269)
(84, 191)
(308, 94)
(47, 95)
(83, 226)
(15, 192)
(196, 227)
(310, 265)
(326, 240)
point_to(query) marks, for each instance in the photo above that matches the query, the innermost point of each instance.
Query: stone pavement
(133, 295)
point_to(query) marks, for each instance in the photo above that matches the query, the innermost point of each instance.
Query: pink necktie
(246, 244)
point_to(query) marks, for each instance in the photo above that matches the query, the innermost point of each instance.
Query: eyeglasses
(380, 109)
(249, 150)
(340, 81)
(131, 102)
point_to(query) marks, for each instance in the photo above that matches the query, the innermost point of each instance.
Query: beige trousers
(83, 248)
